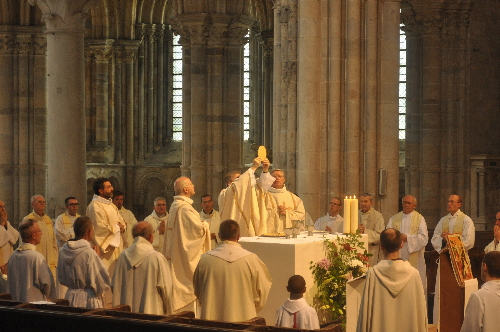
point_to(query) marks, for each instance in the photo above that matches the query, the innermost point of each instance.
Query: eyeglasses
(73, 204)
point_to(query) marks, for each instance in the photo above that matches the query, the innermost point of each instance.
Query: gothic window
(246, 90)
(176, 89)
(402, 94)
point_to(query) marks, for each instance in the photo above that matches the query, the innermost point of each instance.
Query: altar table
(285, 258)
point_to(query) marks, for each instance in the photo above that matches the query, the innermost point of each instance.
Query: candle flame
(354, 196)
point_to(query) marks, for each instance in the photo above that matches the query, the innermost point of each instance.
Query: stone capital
(64, 16)
(126, 51)
(99, 49)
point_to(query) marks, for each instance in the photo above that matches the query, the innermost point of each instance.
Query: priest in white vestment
(47, 246)
(495, 244)
(282, 205)
(212, 217)
(127, 216)
(455, 222)
(29, 276)
(108, 224)
(413, 230)
(187, 237)
(231, 283)
(371, 222)
(481, 314)
(8, 238)
(332, 222)
(393, 297)
(157, 220)
(295, 312)
(81, 270)
(244, 199)
(64, 222)
(142, 277)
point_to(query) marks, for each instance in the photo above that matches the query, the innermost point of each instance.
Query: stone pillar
(336, 86)
(436, 147)
(65, 27)
(267, 87)
(212, 92)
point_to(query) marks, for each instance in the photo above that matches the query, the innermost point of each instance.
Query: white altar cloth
(285, 258)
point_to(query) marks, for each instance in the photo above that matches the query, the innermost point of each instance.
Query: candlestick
(347, 215)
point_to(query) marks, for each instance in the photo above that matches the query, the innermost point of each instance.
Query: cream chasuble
(374, 225)
(105, 218)
(186, 239)
(155, 220)
(414, 227)
(294, 209)
(231, 283)
(243, 201)
(142, 279)
(48, 246)
(130, 220)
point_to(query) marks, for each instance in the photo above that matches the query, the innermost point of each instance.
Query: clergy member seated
(142, 277)
(482, 309)
(332, 222)
(495, 244)
(393, 289)
(81, 270)
(225, 269)
(29, 276)
(295, 312)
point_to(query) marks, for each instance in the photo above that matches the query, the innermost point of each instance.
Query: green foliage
(344, 260)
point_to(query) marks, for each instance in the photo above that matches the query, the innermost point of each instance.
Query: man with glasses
(47, 245)
(64, 222)
(332, 222)
(157, 220)
(455, 222)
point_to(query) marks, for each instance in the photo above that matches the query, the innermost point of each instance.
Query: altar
(285, 258)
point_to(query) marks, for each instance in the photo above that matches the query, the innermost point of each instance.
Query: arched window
(246, 90)
(402, 96)
(176, 89)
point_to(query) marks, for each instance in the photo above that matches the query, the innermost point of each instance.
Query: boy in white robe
(142, 277)
(29, 276)
(393, 289)
(481, 314)
(295, 312)
(231, 283)
(81, 270)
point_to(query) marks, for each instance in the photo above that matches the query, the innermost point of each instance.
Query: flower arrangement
(343, 261)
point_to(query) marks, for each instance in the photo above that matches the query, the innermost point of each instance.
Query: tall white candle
(347, 215)
(354, 215)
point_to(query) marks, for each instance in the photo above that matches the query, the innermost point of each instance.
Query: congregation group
(188, 260)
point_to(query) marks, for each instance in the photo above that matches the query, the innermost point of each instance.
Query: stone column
(267, 86)
(65, 27)
(436, 154)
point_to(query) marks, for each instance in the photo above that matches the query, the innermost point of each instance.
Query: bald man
(142, 277)
(187, 237)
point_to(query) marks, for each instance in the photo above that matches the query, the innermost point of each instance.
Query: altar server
(187, 237)
(393, 289)
(142, 278)
(413, 230)
(81, 270)
(295, 312)
(231, 283)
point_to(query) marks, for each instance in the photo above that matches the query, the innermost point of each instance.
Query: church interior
(387, 97)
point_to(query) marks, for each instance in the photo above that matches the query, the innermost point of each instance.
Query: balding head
(143, 229)
(184, 187)
(390, 241)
